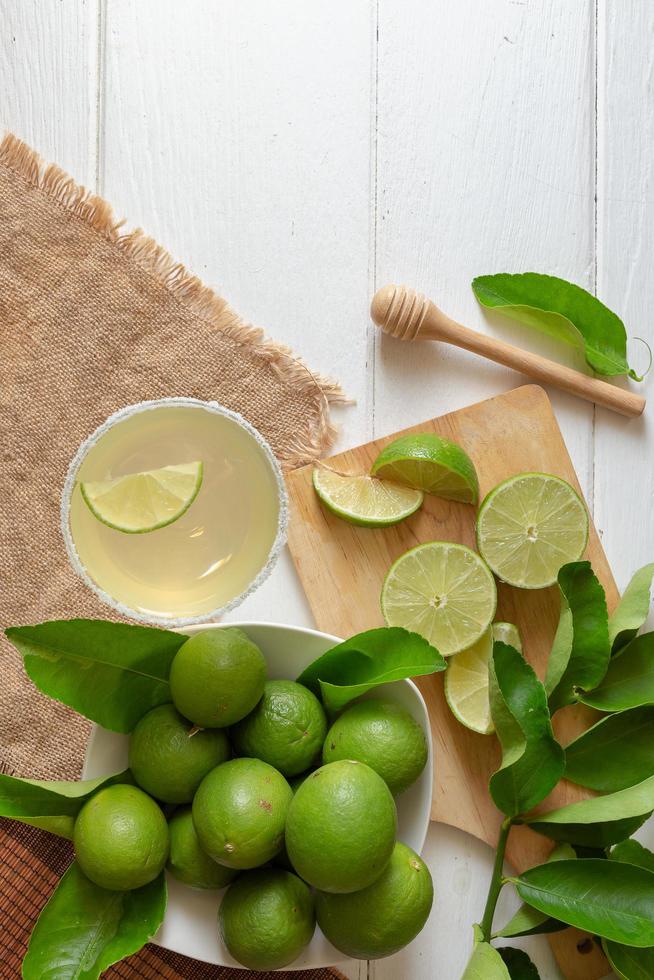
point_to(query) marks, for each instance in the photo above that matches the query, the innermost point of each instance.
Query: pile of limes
(232, 764)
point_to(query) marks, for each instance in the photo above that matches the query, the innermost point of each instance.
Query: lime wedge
(365, 500)
(466, 685)
(141, 502)
(508, 633)
(529, 526)
(430, 463)
(443, 591)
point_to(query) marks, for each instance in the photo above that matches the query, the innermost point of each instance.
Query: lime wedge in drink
(443, 591)
(466, 679)
(430, 463)
(529, 526)
(141, 502)
(364, 500)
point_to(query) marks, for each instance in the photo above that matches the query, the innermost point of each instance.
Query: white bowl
(190, 926)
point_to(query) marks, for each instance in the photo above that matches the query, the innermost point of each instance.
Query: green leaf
(581, 652)
(485, 962)
(528, 921)
(632, 852)
(367, 660)
(52, 805)
(562, 310)
(600, 820)
(632, 610)
(83, 929)
(629, 681)
(615, 901)
(518, 964)
(627, 961)
(532, 760)
(112, 673)
(615, 753)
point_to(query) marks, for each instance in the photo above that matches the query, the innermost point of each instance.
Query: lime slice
(529, 526)
(466, 685)
(365, 500)
(466, 679)
(443, 591)
(141, 502)
(430, 463)
(508, 633)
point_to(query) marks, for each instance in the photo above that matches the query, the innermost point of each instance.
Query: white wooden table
(298, 153)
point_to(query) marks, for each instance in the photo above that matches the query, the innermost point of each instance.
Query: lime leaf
(581, 651)
(615, 753)
(600, 820)
(627, 961)
(615, 901)
(518, 964)
(532, 759)
(633, 608)
(629, 681)
(528, 921)
(562, 310)
(632, 852)
(110, 672)
(83, 929)
(367, 660)
(485, 962)
(50, 805)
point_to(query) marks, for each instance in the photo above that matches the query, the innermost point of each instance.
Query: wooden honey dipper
(407, 315)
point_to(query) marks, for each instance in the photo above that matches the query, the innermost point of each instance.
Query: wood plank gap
(373, 204)
(99, 100)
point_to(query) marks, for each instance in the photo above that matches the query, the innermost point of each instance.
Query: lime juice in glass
(173, 510)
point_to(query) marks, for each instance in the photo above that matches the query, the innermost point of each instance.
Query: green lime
(365, 500)
(286, 729)
(385, 916)
(529, 526)
(507, 633)
(187, 861)
(141, 502)
(466, 685)
(385, 736)
(443, 591)
(239, 813)
(267, 918)
(121, 838)
(428, 462)
(169, 757)
(217, 677)
(340, 828)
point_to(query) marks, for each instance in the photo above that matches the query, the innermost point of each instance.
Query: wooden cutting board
(342, 568)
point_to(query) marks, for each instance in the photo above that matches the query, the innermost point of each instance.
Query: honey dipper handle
(407, 315)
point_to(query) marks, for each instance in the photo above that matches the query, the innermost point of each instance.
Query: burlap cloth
(91, 320)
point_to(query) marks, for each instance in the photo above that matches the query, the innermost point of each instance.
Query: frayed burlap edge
(186, 288)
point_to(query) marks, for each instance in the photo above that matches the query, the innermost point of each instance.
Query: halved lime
(529, 526)
(365, 500)
(428, 462)
(466, 678)
(443, 591)
(141, 502)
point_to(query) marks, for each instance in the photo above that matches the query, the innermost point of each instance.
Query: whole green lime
(383, 735)
(239, 813)
(217, 677)
(266, 918)
(187, 861)
(286, 729)
(340, 828)
(383, 917)
(169, 757)
(121, 838)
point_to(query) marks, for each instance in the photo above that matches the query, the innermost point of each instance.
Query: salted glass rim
(71, 479)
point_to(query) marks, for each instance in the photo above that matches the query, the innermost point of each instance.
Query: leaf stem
(497, 880)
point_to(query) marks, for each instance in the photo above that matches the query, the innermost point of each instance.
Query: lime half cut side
(529, 526)
(443, 591)
(430, 463)
(365, 500)
(466, 685)
(141, 502)
(507, 633)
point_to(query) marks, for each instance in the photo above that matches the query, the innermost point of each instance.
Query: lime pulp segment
(428, 462)
(529, 526)
(365, 500)
(141, 502)
(442, 590)
(466, 685)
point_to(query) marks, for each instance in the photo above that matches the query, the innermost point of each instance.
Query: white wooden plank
(484, 164)
(48, 80)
